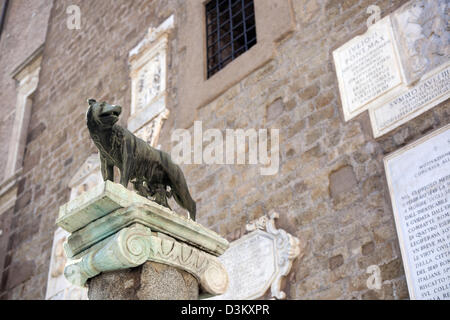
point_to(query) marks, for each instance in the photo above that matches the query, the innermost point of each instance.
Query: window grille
(230, 31)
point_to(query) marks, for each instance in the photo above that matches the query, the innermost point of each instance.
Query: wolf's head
(102, 115)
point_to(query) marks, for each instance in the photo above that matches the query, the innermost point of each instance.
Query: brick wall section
(77, 64)
(23, 32)
(331, 190)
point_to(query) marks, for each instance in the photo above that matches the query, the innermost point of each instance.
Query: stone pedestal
(150, 281)
(128, 247)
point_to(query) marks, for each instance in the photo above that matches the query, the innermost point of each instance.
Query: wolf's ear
(91, 101)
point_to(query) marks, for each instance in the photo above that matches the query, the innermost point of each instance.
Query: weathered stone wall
(77, 64)
(324, 163)
(23, 32)
(330, 191)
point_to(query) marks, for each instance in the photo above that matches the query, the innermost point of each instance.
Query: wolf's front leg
(127, 167)
(107, 169)
(124, 176)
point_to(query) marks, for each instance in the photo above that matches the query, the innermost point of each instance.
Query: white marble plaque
(418, 176)
(367, 68)
(433, 89)
(251, 266)
(399, 68)
(258, 261)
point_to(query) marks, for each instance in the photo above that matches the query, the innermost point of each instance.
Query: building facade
(166, 64)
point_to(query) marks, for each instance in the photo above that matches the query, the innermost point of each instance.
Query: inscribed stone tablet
(251, 265)
(419, 183)
(429, 92)
(367, 68)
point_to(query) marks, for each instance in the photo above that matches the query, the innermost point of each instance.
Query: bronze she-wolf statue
(150, 170)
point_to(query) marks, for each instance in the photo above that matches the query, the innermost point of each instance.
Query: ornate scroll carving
(114, 228)
(259, 261)
(288, 248)
(422, 32)
(149, 83)
(128, 248)
(208, 270)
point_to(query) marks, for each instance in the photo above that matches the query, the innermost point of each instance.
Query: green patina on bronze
(150, 170)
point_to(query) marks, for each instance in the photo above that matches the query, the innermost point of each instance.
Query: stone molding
(27, 78)
(8, 191)
(89, 166)
(94, 215)
(27, 64)
(86, 177)
(208, 270)
(58, 288)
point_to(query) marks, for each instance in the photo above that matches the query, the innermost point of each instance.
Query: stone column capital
(114, 229)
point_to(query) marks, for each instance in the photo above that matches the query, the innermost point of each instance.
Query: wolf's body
(151, 169)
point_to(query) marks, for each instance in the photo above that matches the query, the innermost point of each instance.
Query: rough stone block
(20, 272)
(368, 248)
(336, 261)
(309, 92)
(23, 200)
(392, 270)
(275, 109)
(341, 181)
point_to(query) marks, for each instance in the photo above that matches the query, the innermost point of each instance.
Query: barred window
(230, 31)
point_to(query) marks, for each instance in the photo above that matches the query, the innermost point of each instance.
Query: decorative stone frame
(148, 64)
(274, 21)
(58, 288)
(27, 78)
(282, 249)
